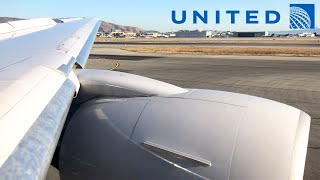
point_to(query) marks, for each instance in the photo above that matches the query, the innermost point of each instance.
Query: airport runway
(213, 44)
(294, 81)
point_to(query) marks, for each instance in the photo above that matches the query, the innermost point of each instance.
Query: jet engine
(132, 127)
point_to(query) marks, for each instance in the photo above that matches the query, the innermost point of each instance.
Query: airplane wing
(37, 86)
(127, 126)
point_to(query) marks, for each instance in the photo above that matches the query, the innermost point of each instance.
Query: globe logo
(300, 18)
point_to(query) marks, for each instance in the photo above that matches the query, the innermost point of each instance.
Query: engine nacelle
(191, 134)
(98, 83)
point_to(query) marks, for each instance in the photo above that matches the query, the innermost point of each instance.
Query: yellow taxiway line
(116, 66)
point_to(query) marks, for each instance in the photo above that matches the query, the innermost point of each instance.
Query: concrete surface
(294, 81)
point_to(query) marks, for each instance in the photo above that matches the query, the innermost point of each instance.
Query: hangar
(193, 34)
(249, 34)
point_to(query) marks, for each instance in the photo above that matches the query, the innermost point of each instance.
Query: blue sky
(155, 15)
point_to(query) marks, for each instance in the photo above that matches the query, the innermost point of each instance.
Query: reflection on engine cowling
(138, 128)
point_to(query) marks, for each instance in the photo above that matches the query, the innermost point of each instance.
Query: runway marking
(116, 66)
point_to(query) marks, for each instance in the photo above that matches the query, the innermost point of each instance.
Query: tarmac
(290, 80)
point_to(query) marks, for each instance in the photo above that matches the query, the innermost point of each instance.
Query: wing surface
(37, 86)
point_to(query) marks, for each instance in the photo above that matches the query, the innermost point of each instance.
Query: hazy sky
(155, 15)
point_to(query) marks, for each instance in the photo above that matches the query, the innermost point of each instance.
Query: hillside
(105, 26)
(6, 19)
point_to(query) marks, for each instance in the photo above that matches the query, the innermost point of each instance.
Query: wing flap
(32, 23)
(23, 27)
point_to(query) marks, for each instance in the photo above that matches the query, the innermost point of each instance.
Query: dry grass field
(216, 40)
(252, 51)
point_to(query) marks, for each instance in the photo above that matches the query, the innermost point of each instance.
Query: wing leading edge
(37, 86)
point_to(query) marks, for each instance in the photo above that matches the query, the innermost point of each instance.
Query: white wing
(170, 131)
(37, 86)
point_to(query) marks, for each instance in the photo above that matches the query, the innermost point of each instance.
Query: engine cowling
(185, 134)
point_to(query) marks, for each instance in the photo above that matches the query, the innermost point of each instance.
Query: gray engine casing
(193, 134)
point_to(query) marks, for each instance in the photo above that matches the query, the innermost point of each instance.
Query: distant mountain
(108, 27)
(7, 19)
(104, 27)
